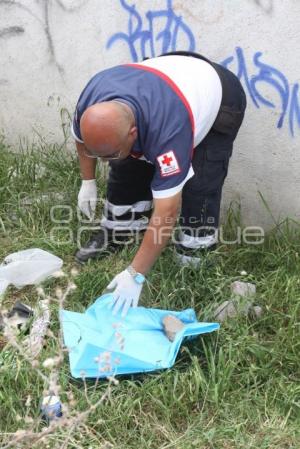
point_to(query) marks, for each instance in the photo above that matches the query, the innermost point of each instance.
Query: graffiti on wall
(284, 99)
(158, 32)
(142, 36)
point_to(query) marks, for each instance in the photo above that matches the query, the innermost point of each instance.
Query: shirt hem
(174, 190)
(74, 135)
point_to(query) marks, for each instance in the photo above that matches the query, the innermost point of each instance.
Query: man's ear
(133, 132)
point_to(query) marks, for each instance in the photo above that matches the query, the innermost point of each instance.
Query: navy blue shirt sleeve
(173, 161)
(75, 127)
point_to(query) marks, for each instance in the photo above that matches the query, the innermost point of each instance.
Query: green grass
(238, 388)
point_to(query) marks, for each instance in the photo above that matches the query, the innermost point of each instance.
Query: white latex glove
(87, 197)
(126, 294)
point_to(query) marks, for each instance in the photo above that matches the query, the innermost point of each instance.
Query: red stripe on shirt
(173, 87)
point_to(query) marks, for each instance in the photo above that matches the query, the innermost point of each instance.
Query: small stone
(188, 261)
(243, 288)
(225, 310)
(231, 309)
(257, 311)
(172, 326)
(40, 291)
(58, 274)
(51, 362)
(59, 293)
(74, 272)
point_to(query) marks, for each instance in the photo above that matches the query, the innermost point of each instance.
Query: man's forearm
(155, 239)
(87, 164)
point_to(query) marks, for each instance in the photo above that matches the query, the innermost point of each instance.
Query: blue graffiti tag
(161, 31)
(141, 38)
(288, 96)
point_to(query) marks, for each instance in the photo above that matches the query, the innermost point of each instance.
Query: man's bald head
(106, 126)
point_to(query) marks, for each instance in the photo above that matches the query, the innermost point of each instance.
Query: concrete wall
(50, 48)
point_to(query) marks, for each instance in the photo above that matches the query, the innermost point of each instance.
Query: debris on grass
(51, 408)
(256, 311)
(231, 309)
(43, 198)
(33, 343)
(243, 288)
(27, 267)
(172, 326)
(241, 304)
(16, 318)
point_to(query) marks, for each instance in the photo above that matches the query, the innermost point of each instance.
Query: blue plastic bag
(102, 345)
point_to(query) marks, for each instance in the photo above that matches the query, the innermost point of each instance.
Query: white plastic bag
(27, 267)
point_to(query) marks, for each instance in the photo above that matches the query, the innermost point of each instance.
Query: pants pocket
(228, 120)
(219, 153)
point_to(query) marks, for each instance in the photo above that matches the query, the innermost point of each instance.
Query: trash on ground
(243, 288)
(232, 308)
(16, 318)
(42, 198)
(101, 344)
(27, 267)
(51, 408)
(33, 343)
(256, 311)
(172, 325)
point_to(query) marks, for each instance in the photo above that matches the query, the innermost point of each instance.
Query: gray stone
(226, 310)
(257, 311)
(231, 309)
(243, 288)
(172, 326)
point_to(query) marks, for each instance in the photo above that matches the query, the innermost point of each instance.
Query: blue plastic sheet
(102, 345)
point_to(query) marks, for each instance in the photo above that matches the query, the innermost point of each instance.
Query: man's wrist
(88, 181)
(136, 275)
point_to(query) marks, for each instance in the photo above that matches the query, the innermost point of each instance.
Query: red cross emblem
(168, 164)
(167, 160)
